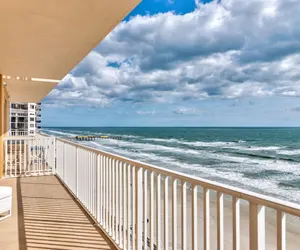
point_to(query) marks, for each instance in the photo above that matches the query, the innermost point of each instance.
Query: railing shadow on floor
(52, 219)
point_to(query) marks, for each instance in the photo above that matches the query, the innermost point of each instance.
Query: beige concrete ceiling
(28, 91)
(47, 38)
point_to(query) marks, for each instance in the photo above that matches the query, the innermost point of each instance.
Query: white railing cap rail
(284, 206)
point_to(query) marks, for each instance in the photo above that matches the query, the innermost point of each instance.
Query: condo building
(58, 194)
(25, 118)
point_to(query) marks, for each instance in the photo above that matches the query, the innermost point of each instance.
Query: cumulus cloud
(187, 111)
(143, 112)
(296, 109)
(225, 49)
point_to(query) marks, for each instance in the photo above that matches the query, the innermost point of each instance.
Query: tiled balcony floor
(45, 216)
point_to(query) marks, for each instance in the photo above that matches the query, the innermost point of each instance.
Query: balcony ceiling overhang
(46, 39)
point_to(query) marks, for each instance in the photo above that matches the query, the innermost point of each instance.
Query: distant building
(25, 118)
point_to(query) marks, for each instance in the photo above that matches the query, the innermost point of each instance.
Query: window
(32, 125)
(32, 119)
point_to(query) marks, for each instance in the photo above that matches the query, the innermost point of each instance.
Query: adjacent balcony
(18, 132)
(68, 196)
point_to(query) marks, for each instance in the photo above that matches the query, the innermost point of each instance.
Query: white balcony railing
(132, 201)
(18, 133)
(29, 156)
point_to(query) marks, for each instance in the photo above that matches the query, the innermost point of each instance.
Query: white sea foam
(58, 132)
(194, 143)
(146, 147)
(289, 152)
(235, 176)
(230, 169)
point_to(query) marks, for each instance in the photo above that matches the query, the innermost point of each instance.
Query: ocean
(263, 160)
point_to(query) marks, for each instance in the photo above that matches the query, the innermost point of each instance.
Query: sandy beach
(292, 227)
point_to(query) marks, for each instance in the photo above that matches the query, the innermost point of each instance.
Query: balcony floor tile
(45, 216)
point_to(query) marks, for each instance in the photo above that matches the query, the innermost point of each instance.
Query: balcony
(46, 216)
(18, 132)
(75, 197)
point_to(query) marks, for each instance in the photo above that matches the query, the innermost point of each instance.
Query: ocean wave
(249, 160)
(290, 184)
(270, 157)
(193, 143)
(58, 132)
(289, 152)
(233, 172)
(162, 140)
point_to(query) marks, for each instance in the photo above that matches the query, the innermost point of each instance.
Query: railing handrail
(261, 199)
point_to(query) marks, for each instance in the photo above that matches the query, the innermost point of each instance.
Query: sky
(188, 63)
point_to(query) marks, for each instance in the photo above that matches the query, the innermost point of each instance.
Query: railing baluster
(11, 158)
(194, 218)
(121, 204)
(76, 170)
(117, 201)
(107, 194)
(206, 215)
(129, 226)
(25, 156)
(236, 223)
(125, 206)
(152, 206)
(90, 182)
(101, 189)
(145, 208)
(139, 208)
(5, 143)
(174, 212)
(281, 230)
(184, 217)
(158, 213)
(15, 157)
(98, 188)
(220, 220)
(166, 225)
(110, 195)
(113, 198)
(257, 227)
(133, 209)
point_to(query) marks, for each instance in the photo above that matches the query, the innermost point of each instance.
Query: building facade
(25, 118)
